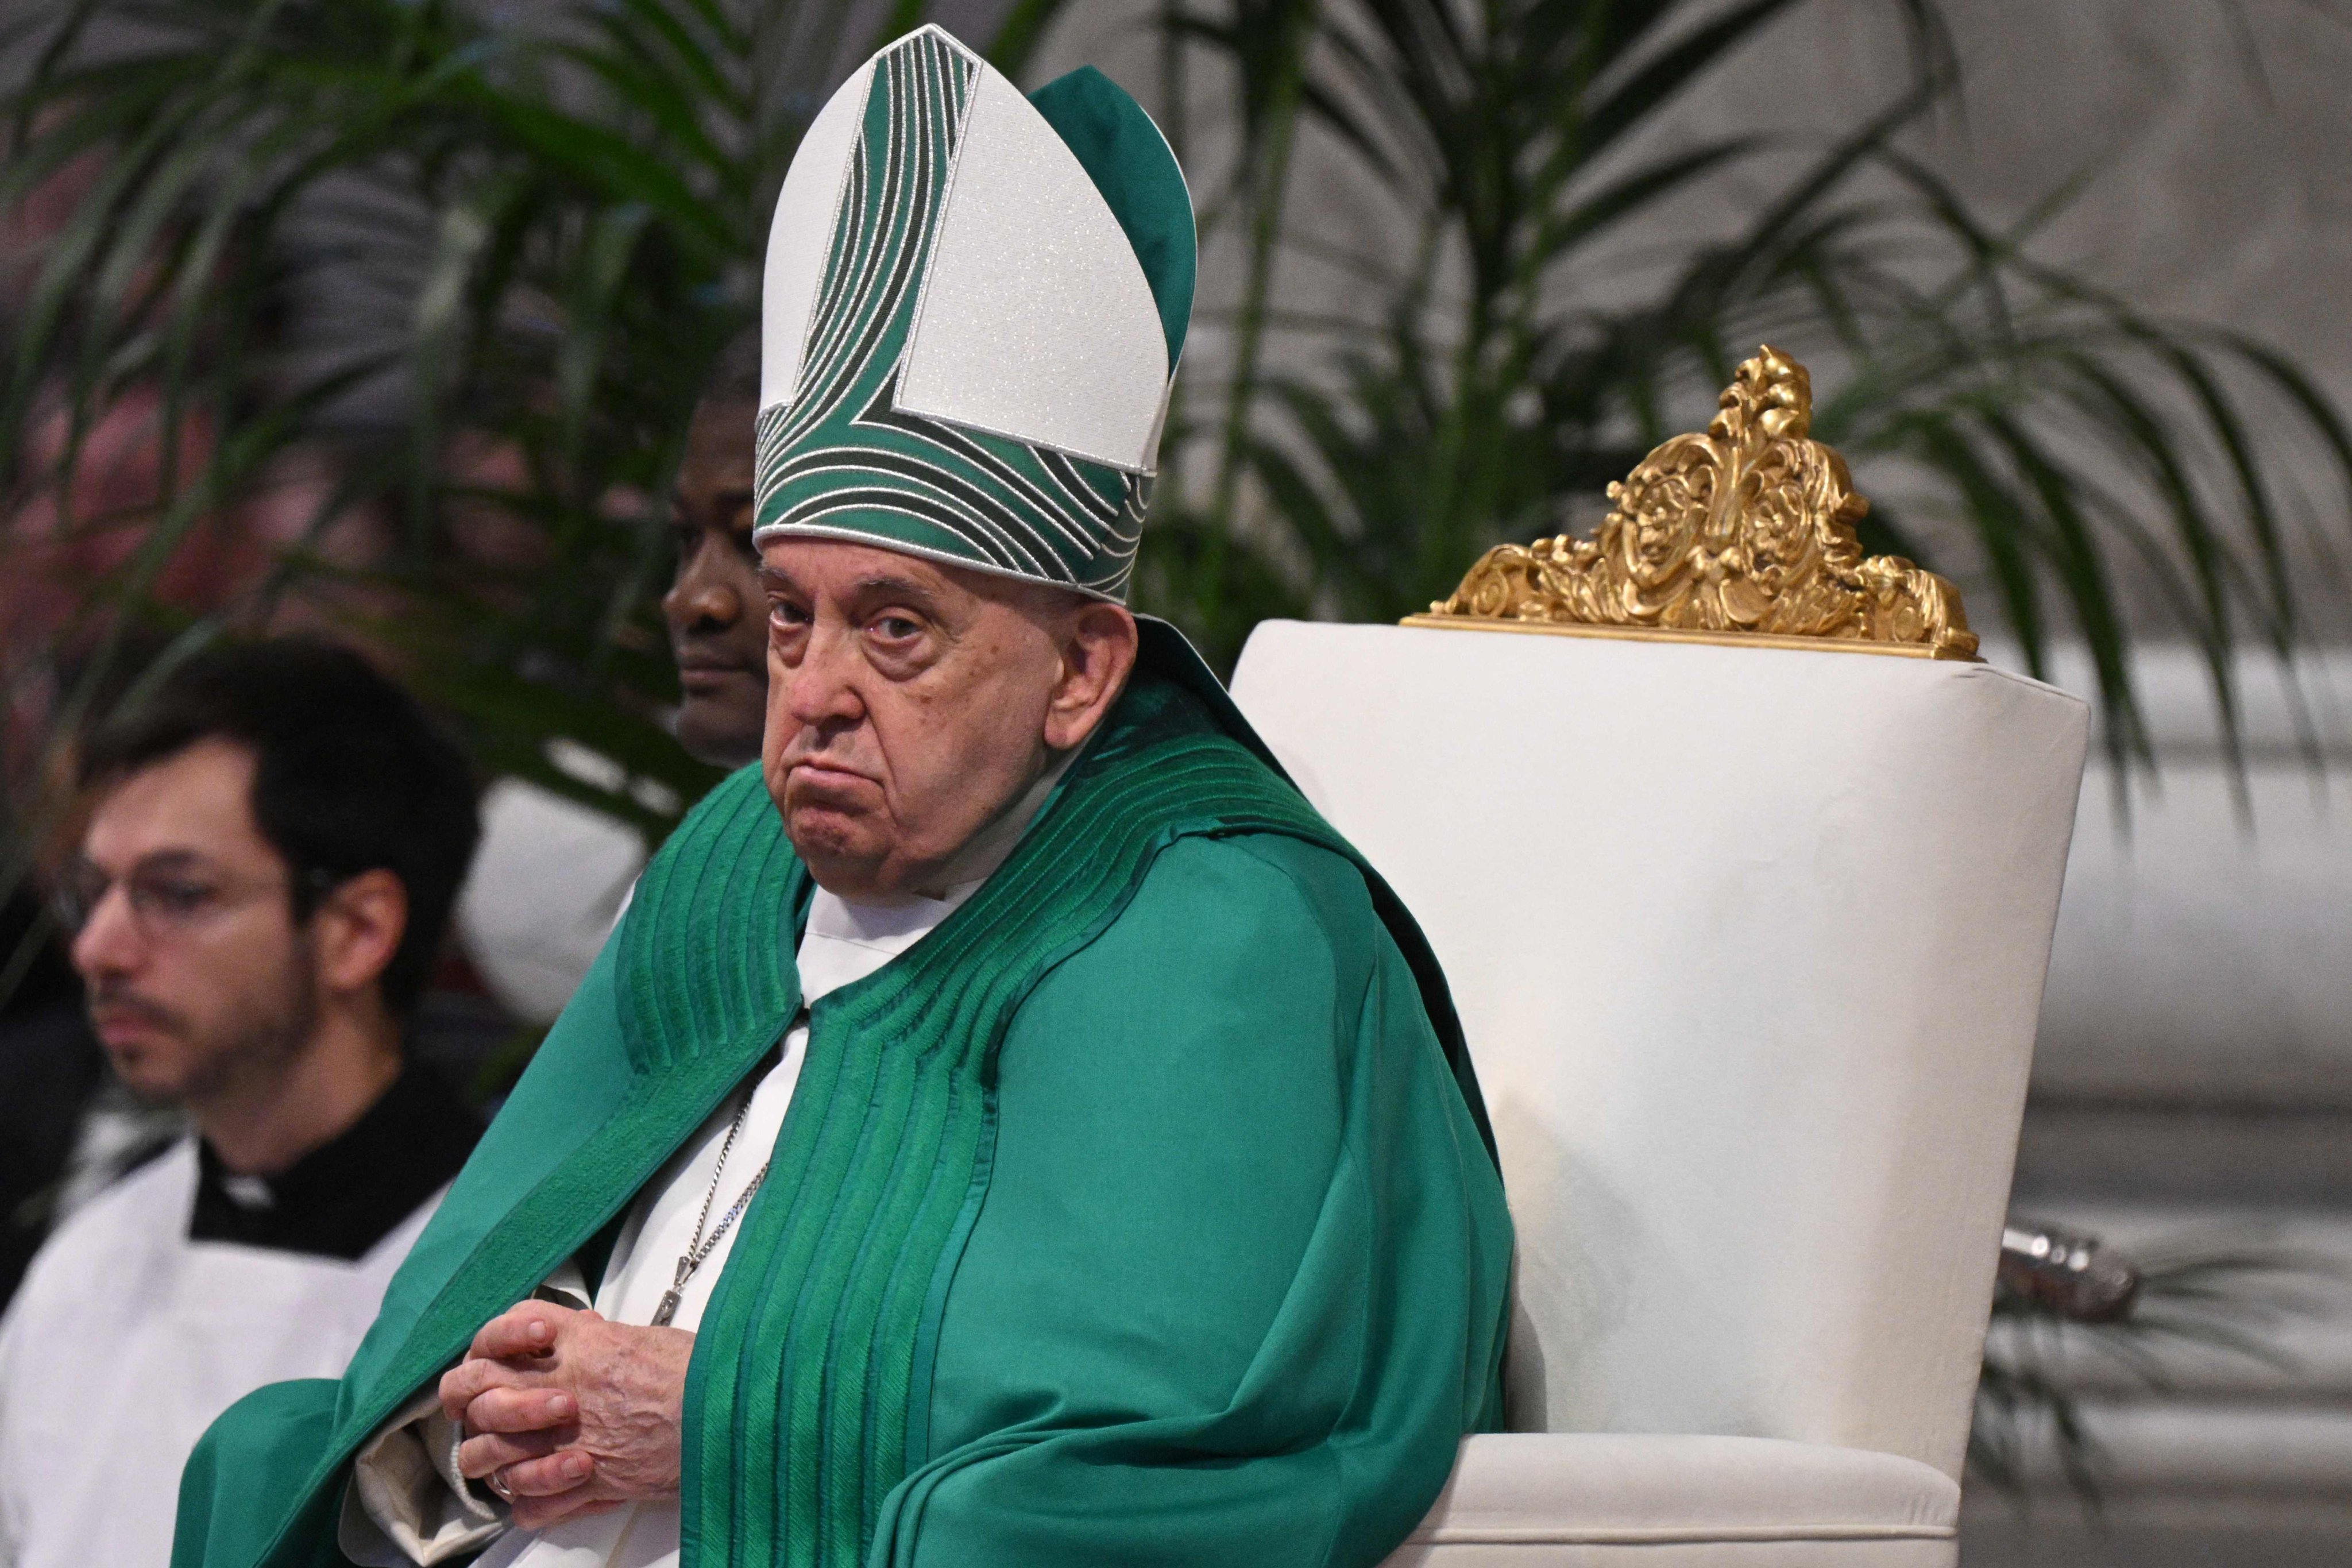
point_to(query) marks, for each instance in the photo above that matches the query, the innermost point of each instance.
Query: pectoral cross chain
(699, 1249)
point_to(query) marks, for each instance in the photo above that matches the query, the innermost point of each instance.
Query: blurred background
(385, 317)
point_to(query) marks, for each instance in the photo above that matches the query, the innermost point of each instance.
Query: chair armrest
(1563, 1498)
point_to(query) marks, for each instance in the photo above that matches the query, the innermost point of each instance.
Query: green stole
(808, 1395)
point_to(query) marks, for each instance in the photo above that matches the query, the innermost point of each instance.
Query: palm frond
(2052, 434)
(475, 268)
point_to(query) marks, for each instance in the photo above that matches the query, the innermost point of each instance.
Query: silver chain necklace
(698, 1250)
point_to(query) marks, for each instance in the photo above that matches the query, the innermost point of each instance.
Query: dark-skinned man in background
(717, 611)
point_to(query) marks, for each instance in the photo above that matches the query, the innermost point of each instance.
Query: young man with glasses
(276, 841)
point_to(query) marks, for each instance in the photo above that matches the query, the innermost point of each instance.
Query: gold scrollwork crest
(1742, 535)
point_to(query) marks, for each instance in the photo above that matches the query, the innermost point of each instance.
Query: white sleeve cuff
(408, 1504)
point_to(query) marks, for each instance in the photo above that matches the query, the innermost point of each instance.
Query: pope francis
(1008, 1127)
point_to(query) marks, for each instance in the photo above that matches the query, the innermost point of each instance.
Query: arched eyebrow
(879, 585)
(885, 585)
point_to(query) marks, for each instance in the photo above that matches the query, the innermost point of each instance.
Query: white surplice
(126, 1341)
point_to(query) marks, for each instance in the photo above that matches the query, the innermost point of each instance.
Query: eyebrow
(154, 860)
(904, 587)
(881, 582)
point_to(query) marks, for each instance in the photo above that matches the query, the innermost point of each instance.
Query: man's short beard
(260, 1047)
(252, 1045)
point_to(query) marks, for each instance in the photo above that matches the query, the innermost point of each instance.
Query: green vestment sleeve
(1238, 1285)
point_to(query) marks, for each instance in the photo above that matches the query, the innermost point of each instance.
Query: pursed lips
(825, 775)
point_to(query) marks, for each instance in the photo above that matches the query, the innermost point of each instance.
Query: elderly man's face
(909, 704)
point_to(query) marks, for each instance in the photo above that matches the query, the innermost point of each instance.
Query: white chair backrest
(1749, 943)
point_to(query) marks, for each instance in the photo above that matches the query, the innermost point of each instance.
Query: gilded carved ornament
(1742, 535)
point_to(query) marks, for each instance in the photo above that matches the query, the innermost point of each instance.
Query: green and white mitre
(973, 310)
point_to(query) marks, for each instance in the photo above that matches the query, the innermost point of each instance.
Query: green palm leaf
(475, 270)
(1479, 396)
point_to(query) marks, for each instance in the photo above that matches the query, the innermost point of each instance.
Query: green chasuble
(1142, 1212)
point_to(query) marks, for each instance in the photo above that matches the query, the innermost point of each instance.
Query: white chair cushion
(1629, 1500)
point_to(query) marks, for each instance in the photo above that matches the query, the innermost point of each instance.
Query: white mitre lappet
(973, 310)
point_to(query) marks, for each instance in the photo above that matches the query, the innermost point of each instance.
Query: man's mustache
(117, 997)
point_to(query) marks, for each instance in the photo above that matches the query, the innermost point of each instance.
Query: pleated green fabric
(808, 1373)
(705, 961)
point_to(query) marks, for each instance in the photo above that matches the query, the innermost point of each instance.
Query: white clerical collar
(843, 941)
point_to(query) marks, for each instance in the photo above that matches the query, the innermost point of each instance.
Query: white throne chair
(1746, 921)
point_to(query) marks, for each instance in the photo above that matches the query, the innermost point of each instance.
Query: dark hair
(735, 376)
(348, 777)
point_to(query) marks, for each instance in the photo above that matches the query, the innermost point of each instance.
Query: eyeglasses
(167, 895)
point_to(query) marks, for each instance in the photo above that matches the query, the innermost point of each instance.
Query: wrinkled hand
(574, 1413)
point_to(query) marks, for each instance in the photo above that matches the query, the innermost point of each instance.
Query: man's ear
(357, 927)
(1099, 650)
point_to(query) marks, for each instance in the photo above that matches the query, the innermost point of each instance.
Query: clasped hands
(565, 1413)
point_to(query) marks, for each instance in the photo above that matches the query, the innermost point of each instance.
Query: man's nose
(822, 687)
(109, 941)
(698, 597)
